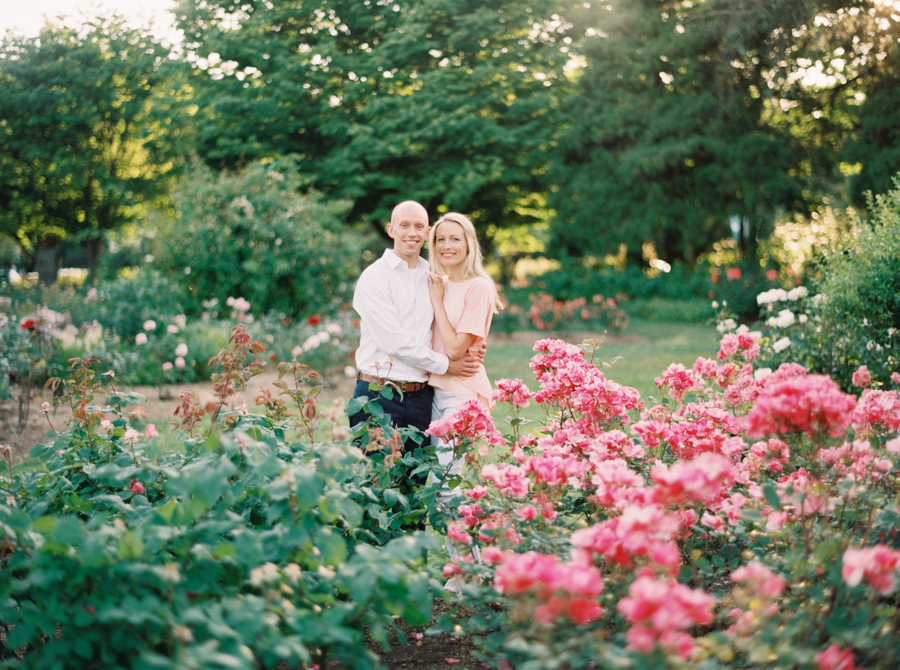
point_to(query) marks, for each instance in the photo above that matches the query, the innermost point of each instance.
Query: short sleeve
(478, 309)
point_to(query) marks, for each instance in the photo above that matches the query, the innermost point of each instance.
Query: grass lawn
(656, 345)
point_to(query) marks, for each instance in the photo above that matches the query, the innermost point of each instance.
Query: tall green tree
(450, 102)
(666, 142)
(90, 125)
(691, 115)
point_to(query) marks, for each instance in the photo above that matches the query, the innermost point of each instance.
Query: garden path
(160, 411)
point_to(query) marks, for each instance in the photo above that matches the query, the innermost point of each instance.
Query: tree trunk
(46, 262)
(93, 248)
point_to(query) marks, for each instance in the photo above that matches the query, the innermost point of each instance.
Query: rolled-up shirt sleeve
(391, 334)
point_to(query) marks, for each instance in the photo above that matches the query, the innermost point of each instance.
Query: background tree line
(622, 122)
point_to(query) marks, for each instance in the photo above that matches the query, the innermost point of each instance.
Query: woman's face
(450, 245)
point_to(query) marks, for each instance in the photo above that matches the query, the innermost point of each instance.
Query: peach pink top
(470, 309)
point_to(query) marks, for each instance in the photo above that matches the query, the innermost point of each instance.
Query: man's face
(408, 236)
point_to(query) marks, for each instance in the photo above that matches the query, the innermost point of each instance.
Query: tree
(693, 114)
(90, 124)
(450, 102)
(665, 141)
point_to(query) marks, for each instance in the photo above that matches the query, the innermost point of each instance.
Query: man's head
(409, 230)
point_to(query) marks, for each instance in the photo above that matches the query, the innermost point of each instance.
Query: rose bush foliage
(256, 538)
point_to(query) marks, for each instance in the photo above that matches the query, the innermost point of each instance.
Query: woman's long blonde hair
(473, 265)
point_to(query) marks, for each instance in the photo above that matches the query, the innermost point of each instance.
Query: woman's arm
(455, 343)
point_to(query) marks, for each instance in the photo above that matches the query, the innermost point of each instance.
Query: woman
(465, 300)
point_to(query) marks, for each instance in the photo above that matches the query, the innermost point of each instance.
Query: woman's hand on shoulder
(435, 289)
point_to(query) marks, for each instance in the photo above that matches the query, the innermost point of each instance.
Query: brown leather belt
(406, 387)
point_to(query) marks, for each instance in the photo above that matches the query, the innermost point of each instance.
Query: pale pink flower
(808, 404)
(697, 481)
(611, 477)
(836, 658)
(679, 380)
(491, 555)
(877, 409)
(705, 368)
(561, 589)
(713, 521)
(508, 479)
(140, 338)
(476, 492)
(149, 325)
(775, 521)
(728, 347)
(877, 565)
(657, 609)
(150, 431)
(179, 363)
(136, 487)
(512, 391)
(895, 377)
(167, 366)
(861, 377)
(760, 579)
(527, 513)
(131, 435)
(172, 329)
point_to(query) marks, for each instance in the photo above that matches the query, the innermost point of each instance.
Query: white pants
(443, 405)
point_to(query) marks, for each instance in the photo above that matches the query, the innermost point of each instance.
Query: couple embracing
(423, 323)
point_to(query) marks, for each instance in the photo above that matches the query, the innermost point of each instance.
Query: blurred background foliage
(659, 153)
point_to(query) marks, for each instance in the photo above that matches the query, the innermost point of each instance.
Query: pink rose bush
(749, 517)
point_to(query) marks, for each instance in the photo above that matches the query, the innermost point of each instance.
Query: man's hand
(466, 366)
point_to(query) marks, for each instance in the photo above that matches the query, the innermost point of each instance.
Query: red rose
(27, 324)
(314, 320)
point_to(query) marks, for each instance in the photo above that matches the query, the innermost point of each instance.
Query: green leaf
(375, 409)
(356, 405)
(331, 546)
(770, 491)
(223, 550)
(45, 524)
(391, 497)
(69, 531)
(130, 546)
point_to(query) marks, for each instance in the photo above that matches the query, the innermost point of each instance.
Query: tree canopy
(90, 129)
(450, 102)
(671, 122)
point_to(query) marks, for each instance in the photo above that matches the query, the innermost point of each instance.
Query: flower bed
(741, 522)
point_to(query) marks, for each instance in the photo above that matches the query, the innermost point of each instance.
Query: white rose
(782, 344)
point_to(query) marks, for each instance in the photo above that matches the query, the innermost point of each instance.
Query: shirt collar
(394, 261)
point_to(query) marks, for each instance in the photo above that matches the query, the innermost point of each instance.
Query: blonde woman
(465, 300)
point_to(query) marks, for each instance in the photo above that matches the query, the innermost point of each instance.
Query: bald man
(395, 313)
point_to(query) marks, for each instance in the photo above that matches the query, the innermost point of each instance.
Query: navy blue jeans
(413, 409)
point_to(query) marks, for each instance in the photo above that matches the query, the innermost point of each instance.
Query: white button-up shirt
(396, 316)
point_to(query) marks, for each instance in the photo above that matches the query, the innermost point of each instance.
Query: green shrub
(672, 310)
(254, 234)
(860, 308)
(123, 305)
(253, 540)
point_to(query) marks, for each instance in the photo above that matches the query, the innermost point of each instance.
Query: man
(395, 312)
